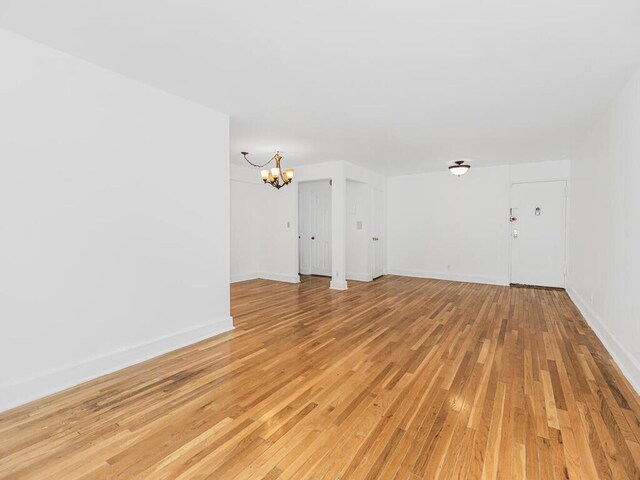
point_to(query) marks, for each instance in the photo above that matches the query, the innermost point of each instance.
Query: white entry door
(379, 217)
(314, 227)
(538, 216)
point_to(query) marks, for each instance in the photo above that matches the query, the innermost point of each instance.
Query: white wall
(442, 226)
(114, 221)
(604, 267)
(279, 237)
(263, 226)
(247, 210)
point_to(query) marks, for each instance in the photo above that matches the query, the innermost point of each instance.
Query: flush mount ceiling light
(459, 168)
(276, 177)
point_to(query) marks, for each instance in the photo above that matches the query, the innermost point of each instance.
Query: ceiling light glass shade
(459, 168)
(264, 174)
(288, 173)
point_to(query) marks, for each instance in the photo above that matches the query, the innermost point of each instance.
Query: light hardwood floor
(400, 378)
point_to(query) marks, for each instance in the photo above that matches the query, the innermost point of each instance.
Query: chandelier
(459, 168)
(275, 176)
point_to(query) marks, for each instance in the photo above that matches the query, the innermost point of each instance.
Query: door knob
(313, 238)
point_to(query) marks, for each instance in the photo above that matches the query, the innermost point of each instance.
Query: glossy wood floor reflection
(401, 378)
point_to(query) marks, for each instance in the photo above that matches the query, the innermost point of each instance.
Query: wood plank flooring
(400, 378)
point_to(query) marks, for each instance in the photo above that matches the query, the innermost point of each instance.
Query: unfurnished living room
(319, 239)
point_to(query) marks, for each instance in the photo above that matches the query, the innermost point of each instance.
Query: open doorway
(314, 228)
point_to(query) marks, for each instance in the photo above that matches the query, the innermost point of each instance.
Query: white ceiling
(399, 86)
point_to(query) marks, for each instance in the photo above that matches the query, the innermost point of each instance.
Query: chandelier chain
(244, 154)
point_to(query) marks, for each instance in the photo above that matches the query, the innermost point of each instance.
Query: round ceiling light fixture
(459, 168)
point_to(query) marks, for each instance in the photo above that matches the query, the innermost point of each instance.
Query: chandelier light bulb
(289, 174)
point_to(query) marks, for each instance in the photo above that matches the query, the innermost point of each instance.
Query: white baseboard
(359, 277)
(454, 277)
(243, 277)
(629, 366)
(338, 285)
(265, 276)
(13, 395)
(280, 278)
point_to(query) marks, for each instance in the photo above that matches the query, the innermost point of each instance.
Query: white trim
(277, 277)
(337, 285)
(15, 394)
(244, 277)
(360, 277)
(627, 363)
(280, 278)
(545, 180)
(453, 277)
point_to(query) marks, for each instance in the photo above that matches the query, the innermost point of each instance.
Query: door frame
(566, 224)
(296, 230)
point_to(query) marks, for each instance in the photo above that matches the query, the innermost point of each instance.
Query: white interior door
(314, 220)
(304, 235)
(538, 233)
(379, 219)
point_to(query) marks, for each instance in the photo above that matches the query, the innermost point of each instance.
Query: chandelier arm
(276, 157)
(258, 166)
